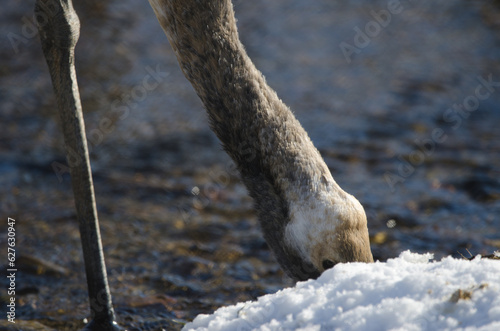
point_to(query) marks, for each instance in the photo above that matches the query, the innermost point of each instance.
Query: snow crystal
(410, 292)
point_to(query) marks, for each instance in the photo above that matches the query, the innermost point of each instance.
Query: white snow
(406, 293)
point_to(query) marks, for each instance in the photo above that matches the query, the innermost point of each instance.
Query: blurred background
(402, 98)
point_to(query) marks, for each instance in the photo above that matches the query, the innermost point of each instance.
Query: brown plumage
(309, 222)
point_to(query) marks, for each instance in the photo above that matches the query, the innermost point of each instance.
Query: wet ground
(399, 105)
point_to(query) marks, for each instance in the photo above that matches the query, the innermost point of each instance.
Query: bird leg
(59, 29)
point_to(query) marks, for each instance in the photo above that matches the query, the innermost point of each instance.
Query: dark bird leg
(59, 29)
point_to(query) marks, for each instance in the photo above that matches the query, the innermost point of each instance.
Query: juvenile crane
(309, 222)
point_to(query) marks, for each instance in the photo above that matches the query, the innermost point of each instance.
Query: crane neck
(256, 128)
(298, 203)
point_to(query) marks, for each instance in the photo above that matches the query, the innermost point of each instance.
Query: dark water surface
(405, 119)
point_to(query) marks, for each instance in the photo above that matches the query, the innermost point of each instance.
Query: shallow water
(179, 232)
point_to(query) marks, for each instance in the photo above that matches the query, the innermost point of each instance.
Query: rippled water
(406, 123)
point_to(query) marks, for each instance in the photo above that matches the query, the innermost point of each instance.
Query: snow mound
(406, 293)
